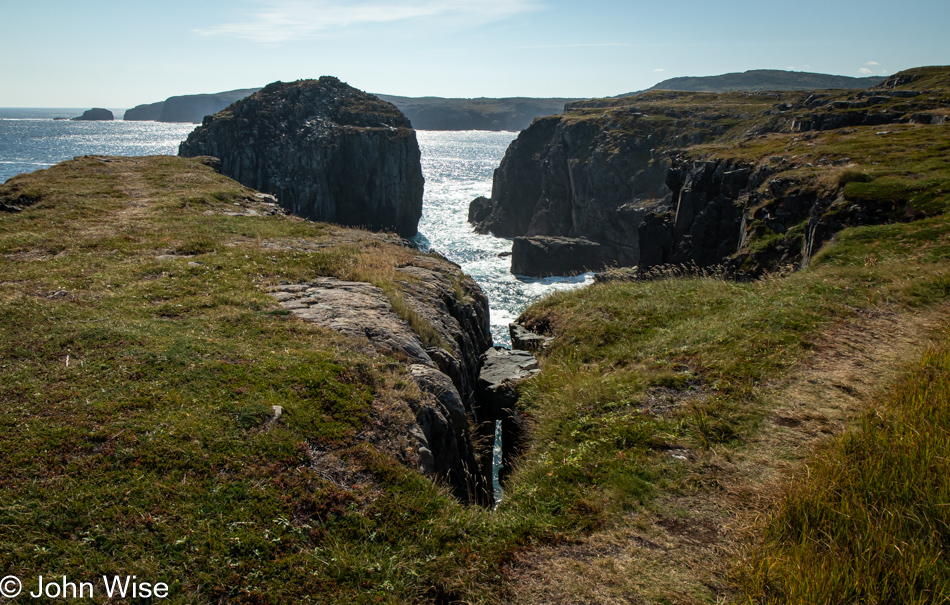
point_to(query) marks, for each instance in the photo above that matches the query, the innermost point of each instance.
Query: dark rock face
(608, 183)
(446, 373)
(567, 179)
(543, 256)
(479, 209)
(328, 151)
(578, 197)
(96, 114)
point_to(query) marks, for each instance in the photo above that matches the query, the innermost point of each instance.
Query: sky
(118, 54)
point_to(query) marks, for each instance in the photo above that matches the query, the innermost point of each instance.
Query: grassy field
(870, 523)
(140, 360)
(658, 400)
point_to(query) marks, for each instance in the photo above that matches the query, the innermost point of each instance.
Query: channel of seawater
(458, 167)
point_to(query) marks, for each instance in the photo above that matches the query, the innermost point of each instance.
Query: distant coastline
(49, 113)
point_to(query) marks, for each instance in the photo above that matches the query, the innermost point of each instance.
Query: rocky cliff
(699, 178)
(328, 151)
(147, 112)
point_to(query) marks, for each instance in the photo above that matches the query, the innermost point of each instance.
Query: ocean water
(458, 167)
(28, 144)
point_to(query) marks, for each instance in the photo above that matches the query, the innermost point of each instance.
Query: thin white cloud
(276, 21)
(659, 69)
(872, 63)
(865, 71)
(592, 45)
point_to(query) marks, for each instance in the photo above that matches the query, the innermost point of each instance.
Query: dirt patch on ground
(682, 548)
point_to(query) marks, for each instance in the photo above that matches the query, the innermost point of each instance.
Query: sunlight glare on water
(458, 167)
(32, 144)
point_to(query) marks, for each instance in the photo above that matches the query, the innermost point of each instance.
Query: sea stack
(328, 151)
(96, 114)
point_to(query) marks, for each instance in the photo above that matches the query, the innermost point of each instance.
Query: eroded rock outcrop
(523, 339)
(613, 182)
(445, 366)
(328, 151)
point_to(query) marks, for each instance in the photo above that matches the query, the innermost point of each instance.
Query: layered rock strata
(446, 371)
(611, 182)
(326, 150)
(523, 339)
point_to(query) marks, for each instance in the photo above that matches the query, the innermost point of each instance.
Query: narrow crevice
(496, 464)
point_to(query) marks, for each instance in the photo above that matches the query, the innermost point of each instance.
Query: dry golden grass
(684, 546)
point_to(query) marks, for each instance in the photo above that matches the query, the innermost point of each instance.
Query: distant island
(762, 79)
(96, 114)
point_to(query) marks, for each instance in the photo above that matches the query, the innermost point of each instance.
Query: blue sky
(119, 54)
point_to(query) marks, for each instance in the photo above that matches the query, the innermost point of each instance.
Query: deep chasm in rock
(328, 151)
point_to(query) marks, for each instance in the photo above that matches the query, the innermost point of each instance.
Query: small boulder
(544, 256)
(496, 398)
(479, 209)
(524, 339)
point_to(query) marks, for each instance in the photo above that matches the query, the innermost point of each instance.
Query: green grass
(153, 451)
(159, 428)
(871, 523)
(706, 343)
(137, 397)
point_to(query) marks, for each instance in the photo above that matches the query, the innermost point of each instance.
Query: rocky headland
(419, 311)
(96, 114)
(697, 178)
(326, 150)
(203, 387)
(764, 80)
(186, 108)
